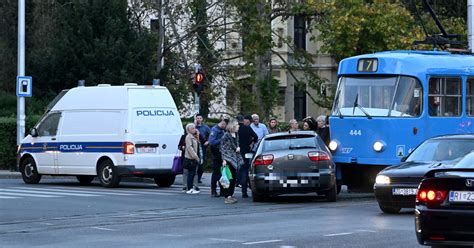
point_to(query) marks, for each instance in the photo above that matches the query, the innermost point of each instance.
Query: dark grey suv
(292, 163)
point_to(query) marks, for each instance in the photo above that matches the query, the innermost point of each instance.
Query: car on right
(444, 213)
(396, 186)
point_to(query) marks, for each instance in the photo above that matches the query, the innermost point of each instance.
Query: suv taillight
(263, 160)
(318, 156)
(128, 148)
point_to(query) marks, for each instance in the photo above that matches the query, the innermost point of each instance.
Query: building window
(300, 32)
(444, 97)
(300, 103)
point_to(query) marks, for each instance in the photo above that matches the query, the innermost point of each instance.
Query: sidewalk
(6, 174)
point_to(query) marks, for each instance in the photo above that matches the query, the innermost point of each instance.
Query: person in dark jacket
(323, 129)
(204, 132)
(215, 136)
(309, 124)
(273, 126)
(232, 158)
(247, 137)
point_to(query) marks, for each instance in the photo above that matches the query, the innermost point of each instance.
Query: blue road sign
(24, 86)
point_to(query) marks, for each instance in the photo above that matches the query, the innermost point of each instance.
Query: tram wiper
(338, 109)
(356, 104)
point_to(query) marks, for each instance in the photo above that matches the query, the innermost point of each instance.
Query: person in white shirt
(259, 128)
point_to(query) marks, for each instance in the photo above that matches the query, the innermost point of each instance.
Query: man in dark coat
(215, 136)
(247, 137)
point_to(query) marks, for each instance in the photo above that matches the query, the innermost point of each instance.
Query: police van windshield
(395, 96)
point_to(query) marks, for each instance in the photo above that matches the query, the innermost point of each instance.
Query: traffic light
(198, 82)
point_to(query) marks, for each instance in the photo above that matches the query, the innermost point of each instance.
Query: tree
(356, 27)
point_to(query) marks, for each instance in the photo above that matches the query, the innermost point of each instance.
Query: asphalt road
(61, 213)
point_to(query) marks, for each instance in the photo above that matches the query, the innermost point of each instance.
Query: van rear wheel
(165, 180)
(108, 174)
(29, 172)
(85, 180)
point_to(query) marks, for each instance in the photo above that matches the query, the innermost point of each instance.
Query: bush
(8, 148)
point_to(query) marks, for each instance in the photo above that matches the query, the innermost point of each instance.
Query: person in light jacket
(231, 157)
(191, 157)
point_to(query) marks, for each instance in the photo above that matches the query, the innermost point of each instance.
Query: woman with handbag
(191, 157)
(232, 159)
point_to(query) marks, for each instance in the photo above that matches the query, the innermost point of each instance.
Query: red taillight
(318, 156)
(263, 160)
(430, 196)
(128, 148)
(437, 238)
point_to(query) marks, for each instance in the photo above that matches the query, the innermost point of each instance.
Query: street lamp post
(20, 117)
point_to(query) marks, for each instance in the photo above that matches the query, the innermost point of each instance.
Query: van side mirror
(249, 155)
(403, 159)
(34, 132)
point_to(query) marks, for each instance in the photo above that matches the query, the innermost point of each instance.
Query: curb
(17, 175)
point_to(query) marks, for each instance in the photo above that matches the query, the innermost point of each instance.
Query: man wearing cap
(247, 137)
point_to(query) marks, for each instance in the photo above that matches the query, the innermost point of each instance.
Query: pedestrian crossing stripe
(26, 194)
(46, 193)
(64, 191)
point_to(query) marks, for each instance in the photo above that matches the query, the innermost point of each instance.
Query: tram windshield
(395, 96)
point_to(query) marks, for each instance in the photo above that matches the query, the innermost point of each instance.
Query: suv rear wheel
(257, 197)
(28, 170)
(331, 195)
(107, 174)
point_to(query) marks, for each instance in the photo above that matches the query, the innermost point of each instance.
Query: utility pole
(470, 24)
(161, 36)
(20, 102)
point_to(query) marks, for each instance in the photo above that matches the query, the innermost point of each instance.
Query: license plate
(461, 196)
(404, 191)
(146, 149)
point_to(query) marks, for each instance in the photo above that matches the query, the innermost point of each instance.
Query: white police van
(105, 131)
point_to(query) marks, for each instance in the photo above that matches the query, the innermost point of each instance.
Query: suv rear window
(290, 142)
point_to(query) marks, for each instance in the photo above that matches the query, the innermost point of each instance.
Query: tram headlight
(333, 145)
(378, 146)
(381, 179)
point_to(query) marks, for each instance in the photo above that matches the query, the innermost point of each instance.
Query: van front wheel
(164, 181)
(108, 174)
(29, 172)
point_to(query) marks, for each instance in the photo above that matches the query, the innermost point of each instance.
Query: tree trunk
(263, 59)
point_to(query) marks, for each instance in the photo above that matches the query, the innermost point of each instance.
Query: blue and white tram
(389, 102)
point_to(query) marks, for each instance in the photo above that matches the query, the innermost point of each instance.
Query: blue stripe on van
(72, 147)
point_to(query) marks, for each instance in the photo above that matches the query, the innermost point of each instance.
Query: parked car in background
(292, 162)
(396, 186)
(444, 214)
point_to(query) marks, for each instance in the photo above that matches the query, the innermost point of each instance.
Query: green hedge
(8, 146)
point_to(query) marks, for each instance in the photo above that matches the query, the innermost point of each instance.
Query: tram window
(444, 96)
(408, 98)
(470, 97)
